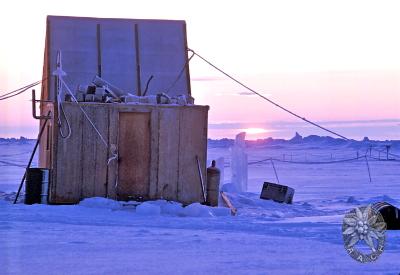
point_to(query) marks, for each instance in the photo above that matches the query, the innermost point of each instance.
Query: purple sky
(326, 60)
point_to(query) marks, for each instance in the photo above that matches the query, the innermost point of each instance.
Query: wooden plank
(203, 185)
(53, 158)
(48, 152)
(88, 152)
(94, 151)
(154, 169)
(228, 203)
(168, 155)
(44, 147)
(112, 168)
(69, 160)
(102, 151)
(192, 143)
(154, 151)
(134, 155)
(46, 67)
(136, 108)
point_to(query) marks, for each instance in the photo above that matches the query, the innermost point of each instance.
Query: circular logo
(363, 232)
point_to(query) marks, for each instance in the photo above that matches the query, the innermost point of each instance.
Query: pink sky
(326, 60)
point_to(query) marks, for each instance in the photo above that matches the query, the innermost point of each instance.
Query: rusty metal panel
(134, 155)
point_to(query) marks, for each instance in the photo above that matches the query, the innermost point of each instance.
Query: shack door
(134, 156)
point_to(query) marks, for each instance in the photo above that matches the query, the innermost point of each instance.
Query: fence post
(276, 174)
(369, 172)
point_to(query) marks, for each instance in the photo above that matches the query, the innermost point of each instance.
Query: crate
(277, 192)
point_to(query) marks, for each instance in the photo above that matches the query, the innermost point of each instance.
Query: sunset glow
(255, 131)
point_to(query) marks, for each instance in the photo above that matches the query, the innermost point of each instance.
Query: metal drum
(390, 214)
(36, 185)
(45, 186)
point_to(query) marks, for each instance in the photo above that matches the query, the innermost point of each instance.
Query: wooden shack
(159, 147)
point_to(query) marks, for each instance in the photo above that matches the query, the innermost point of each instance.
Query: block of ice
(239, 163)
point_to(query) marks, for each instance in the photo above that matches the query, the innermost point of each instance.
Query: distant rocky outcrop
(20, 140)
(296, 139)
(312, 140)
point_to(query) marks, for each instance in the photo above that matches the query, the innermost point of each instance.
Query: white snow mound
(171, 208)
(148, 209)
(197, 210)
(99, 202)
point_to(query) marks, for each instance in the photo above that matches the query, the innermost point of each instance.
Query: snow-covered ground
(101, 236)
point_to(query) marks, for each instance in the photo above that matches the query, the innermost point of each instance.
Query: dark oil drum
(36, 185)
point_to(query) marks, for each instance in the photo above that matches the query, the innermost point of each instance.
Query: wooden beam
(228, 203)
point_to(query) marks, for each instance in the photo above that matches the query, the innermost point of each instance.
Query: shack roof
(124, 52)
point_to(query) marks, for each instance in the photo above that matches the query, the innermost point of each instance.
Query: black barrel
(390, 214)
(36, 185)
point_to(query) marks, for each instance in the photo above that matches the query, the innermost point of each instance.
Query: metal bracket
(34, 100)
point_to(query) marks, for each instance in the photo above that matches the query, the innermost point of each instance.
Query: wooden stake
(228, 203)
(201, 179)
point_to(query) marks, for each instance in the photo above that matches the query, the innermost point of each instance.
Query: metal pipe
(34, 100)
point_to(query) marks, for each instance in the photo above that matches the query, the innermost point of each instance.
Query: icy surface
(102, 236)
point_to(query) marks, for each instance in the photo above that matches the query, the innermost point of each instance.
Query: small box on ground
(277, 192)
